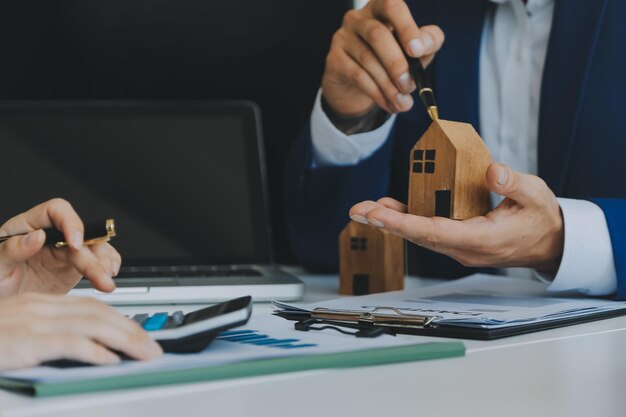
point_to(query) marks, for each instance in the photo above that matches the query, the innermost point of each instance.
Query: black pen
(94, 233)
(420, 77)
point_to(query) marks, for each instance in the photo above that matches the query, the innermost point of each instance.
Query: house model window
(424, 161)
(358, 243)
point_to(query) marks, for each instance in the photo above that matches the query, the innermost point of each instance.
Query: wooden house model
(370, 260)
(447, 172)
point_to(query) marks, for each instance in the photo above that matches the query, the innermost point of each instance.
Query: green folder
(367, 357)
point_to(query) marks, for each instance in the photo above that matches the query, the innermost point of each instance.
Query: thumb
(20, 248)
(526, 190)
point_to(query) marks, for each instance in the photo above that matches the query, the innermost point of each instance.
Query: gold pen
(94, 233)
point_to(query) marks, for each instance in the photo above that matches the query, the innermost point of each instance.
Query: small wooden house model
(447, 172)
(370, 260)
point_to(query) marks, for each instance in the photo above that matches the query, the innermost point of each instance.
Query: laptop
(184, 180)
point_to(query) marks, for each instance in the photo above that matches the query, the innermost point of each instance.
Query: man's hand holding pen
(28, 265)
(366, 66)
(372, 64)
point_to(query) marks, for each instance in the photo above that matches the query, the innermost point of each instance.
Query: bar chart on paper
(253, 337)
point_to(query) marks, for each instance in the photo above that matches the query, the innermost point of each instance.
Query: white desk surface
(573, 371)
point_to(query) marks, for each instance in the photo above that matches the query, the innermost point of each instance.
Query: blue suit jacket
(582, 129)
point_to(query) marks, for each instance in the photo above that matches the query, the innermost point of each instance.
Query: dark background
(268, 51)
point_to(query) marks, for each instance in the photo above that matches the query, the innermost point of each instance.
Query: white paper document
(480, 301)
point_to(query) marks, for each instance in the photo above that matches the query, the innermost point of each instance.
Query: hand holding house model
(447, 168)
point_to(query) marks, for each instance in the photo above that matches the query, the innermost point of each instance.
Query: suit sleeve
(615, 213)
(318, 199)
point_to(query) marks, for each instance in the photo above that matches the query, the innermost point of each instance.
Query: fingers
(26, 350)
(362, 79)
(75, 347)
(526, 190)
(417, 42)
(393, 204)
(108, 257)
(431, 232)
(98, 271)
(98, 263)
(512, 235)
(397, 15)
(375, 74)
(359, 212)
(376, 58)
(56, 213)
(377, 32)
(436, 34)
(135, 343)
(76, 328)
(20, 248)
(386, 51)
(103, 324)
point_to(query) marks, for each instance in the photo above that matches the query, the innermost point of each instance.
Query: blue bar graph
(252, 337)
(234, 333)
(245, 338)
(273, 342)
(303, 345)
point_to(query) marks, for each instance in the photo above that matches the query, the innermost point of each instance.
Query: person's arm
(587, 264)
(346, 141)
(615, 213)
(581, 244)
(525, 230)
(40, 327)
(327, 171)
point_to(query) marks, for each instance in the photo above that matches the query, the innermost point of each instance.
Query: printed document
(481, 300)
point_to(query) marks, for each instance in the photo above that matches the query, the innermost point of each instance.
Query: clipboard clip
(360, 330)
(366, 323)
(399, 319)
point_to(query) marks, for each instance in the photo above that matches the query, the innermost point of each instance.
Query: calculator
(193, 332)
(183, 333)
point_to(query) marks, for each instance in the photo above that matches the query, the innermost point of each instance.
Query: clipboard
(429, 327)
(477, 307)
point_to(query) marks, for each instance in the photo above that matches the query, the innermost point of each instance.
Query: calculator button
(155, 322)
(140, 318)
(178, 317)
(174, 320)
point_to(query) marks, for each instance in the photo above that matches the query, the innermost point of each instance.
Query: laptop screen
(183, 181)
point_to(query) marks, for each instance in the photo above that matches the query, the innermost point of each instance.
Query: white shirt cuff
(333, 147)
(587, 264)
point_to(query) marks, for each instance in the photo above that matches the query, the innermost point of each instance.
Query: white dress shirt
(512, 56)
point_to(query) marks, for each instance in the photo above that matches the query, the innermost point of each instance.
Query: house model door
(443, 203)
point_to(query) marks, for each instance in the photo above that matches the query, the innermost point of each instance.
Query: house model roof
(462, 135)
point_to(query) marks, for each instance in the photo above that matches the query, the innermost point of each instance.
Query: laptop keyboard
(187, 272)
